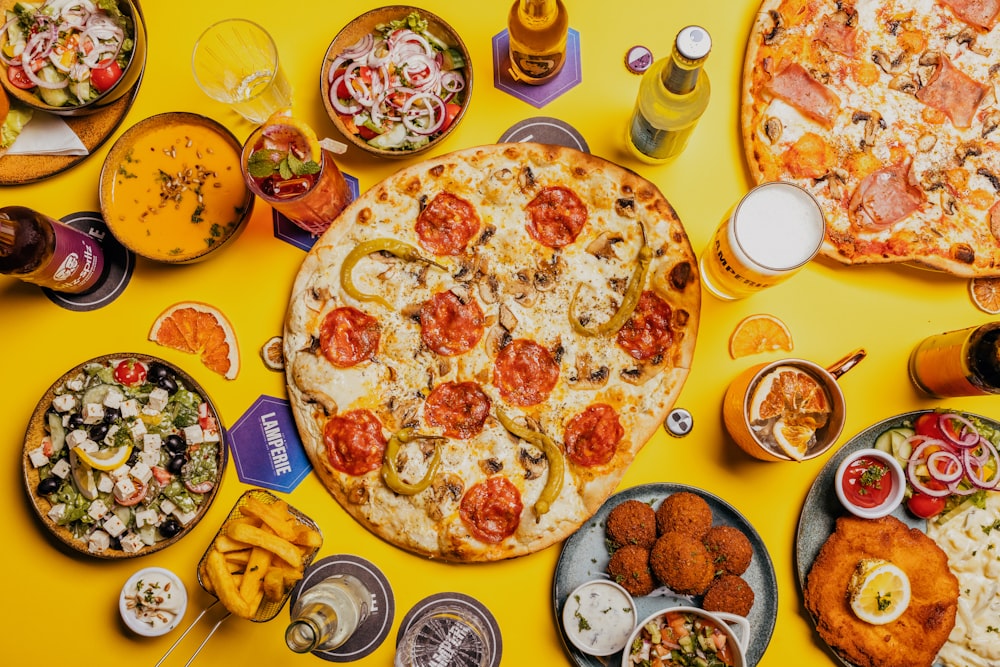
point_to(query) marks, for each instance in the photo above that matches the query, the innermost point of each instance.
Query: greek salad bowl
(396, 81)
(71, 57)
(123, 456)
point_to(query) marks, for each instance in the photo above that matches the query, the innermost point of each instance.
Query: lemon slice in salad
(285, 133)
(105, 459)
(879, 591)
(83, 476)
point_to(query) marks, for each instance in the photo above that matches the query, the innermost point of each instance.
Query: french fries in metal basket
(255, 559)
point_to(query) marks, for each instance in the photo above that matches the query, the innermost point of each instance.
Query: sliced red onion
(974, 469)
(953, 470)
(359, 48)
(916, 459)
(969, 436)
(435, 119)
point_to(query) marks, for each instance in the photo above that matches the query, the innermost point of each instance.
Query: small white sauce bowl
(891, 501)
(128, 615)
(598, 617)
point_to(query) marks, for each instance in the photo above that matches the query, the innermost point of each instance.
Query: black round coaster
(473, 605)
(374, 629)
(545, 130)
(119, 263)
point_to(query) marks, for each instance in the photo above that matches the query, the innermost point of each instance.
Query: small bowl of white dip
(152, 602)
(598, 617)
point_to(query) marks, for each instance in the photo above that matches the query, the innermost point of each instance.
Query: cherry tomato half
(924, 506)
(17, 77)
(140, 493)
(130, 372)
(104, 77)
(450, 112)
(931, 425)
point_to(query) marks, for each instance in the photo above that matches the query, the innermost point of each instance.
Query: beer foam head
(779, 226)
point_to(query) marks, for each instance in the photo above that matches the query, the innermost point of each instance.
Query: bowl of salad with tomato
(71, 57)
(396, 81)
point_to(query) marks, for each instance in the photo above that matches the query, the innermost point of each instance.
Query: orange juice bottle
(958, 363)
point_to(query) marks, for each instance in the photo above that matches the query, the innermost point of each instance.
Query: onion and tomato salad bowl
(396, 81)
(950, 459)
(71, 57)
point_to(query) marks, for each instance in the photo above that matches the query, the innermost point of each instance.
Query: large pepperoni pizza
(887, 112)
(480, 346)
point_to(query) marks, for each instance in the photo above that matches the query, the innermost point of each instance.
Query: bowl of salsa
(870, 483)
(688, 636)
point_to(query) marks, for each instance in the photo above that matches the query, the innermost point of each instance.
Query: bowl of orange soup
(172, 190)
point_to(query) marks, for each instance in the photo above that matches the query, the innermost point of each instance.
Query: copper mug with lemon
(787, 410)
(773, 231)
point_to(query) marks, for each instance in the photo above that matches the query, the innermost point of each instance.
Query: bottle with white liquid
(327, 614)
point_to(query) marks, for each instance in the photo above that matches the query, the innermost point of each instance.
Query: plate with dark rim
(821, 508)
(38, 430)
(584, 557)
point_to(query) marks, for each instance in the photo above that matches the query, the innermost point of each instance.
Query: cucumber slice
(96, 394)
(57, 433)
(895, 441)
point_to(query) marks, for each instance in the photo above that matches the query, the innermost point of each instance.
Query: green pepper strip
(553, 485)
(391, 475)
(629, 302)
(401, 250)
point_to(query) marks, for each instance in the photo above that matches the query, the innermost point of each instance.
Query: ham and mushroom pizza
(482, 343)
(887, 112)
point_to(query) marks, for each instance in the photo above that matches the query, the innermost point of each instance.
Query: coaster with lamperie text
(266, 446)
(119, 263)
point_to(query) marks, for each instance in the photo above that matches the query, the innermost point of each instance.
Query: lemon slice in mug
(879, 591)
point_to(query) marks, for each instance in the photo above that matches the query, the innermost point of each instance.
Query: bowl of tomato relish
(870, 483)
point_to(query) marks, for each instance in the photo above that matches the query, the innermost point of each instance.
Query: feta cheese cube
(167, 506)
(61, 468)
(38, 457)
(97, 509)
(109, 439)
(129, 408)
(76, 384)
(98, 541)
(93, 413)
(120, 471)
(57, 512)
(87, 446)
(184, 517)
(114, 398)
(64, 402)
(146, 517)
(151, 442)
(193, 434)
(137, 429)
(114, 526)
(141, 471)
(211, 435)
(104, 483)
(124, 488)
(75, 437)
(150, 458)
(131, 543)
(158, 399)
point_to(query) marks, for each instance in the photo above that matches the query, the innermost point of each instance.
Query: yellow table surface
(58, 607)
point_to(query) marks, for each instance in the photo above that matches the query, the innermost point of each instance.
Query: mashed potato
(972, 542)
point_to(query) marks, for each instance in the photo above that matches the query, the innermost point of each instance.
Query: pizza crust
(519, 285)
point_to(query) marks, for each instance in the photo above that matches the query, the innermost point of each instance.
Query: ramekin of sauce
(870, 483)
(598, 617)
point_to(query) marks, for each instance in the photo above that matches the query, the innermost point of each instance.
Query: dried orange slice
(759, 333)
(791, 394)
(286, 133)
(198, 328)
(985, 293)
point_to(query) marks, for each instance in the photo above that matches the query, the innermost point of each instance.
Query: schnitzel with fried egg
(912, 640)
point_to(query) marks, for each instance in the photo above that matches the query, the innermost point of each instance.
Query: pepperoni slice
(647, 333)
(447, 224)
(348, 336)
(556, 216)
(592, 436)
(450, 327)
(354, 442)
(460, 408)
(525, 373)
(492, 509)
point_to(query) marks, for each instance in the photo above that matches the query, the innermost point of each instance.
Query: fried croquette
(685, 513)
(730, 549)
(629, 567)
(631, 522)
(681, 563)
(728, 593)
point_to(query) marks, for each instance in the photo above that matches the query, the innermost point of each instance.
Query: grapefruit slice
(198, 328)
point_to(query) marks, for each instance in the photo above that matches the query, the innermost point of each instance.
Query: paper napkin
(47, 134)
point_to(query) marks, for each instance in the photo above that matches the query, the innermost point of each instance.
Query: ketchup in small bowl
(870, 483)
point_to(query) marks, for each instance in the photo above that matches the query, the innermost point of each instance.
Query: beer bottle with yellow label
(537, 32)
(673, 94)
(40, 250)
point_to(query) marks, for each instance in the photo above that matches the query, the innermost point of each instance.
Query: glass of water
(235, 61)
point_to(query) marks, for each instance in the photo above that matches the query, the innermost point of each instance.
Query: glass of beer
(965, 362)
(771, 233)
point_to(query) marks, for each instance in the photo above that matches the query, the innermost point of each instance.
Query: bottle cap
(638, 59)
(679, 422)
(693, 43)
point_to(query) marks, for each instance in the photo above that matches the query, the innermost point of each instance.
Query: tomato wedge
(16, 76)
(135, 498)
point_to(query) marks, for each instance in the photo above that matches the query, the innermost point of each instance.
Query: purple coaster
(266, 446)
(546, 130)
(538, 96)
(374, 629)
(119, 264)
(471, 605)
(289, 232)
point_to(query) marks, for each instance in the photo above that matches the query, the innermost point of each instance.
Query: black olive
(168, 383)
(134, 456)
(49, 485)
(98, 431)
(176, 463)
(170, 527)
(75, 420)
(156, 371)
(175, 444)
(111, 415)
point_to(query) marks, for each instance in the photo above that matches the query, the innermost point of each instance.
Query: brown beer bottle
(37, 249)
(537, 32)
